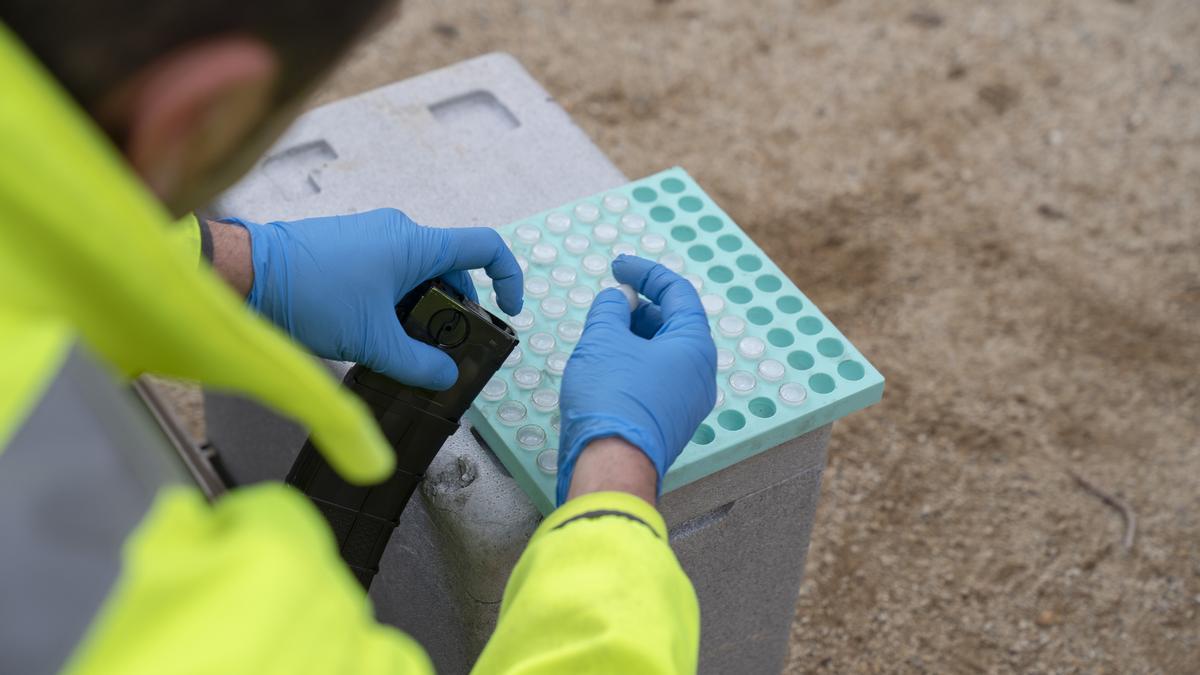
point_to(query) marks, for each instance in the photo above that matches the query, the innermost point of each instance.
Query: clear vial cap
(581, 296)
(587, 212)
(522, 263)
(556, 363)
(605, 233)
(553, 307)
(695, 280)
(616, 203)
(514, 357)
(720, 398)
(558, 223)
(547, 462)
(537, 287)
(771, 370)
(725, 359)
(528, 234)
(556, 422)
(544, 400)
(623, 248)
(731, 326)
(481, 278)
(632, 223)
(543, 254)
(495, 389)
(752, 347)
(511, 413)
(672, 261)
(631, 295)
(609, 282)
(541, 343)
(653, 243)
(523, 320)
(792, 393)
(576, 243)
(531, 437)
(742, 382)
(713, 304)
(570, 330)
(527, 377)
(563, 275)
(594, 265)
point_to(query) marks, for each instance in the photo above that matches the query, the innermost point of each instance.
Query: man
(107, 106)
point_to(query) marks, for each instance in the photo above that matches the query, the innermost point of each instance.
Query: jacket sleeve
(251, 584)
(598, 589)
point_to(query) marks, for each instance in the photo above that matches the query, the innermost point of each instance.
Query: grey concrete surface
(481, 143)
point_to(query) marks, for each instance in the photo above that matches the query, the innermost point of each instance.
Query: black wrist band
(206, 242)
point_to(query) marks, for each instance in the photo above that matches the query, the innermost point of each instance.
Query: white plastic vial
(544, 400)
(547, 462)
(531, 437)
(563, 276)
(556, 363)
(541, 343)
(556, 422)
(544, 254)
(527, 377)
(792, 393)
(594, 265)
(528, 234)
(537, 287)
(522, 263)
(742, 382)
(725, 359)
(481, 279)
(713, 304)
(553, 307)
(609, 282)
(605, 233)
(720, 398)
(672, 261)
(523, 320)
(616, 203)
(570, 331)
(581, 296)
(695, 280)
(511, 413)
(576, 243)
(771, 370)
(587, 212)
(514, 357)
(731, 326)
(632, 223)
(495, 389)
(752, 347)
(623, 248)
(653, 243)
(631, 295)
(558, 223)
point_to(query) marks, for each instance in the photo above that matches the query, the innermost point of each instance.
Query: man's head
(190, 91)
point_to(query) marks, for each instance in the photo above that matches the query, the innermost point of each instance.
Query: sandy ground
(1000, 204)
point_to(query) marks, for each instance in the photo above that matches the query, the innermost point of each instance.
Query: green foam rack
(783, 368)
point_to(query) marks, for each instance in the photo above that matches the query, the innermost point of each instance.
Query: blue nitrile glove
(649, 377)
(333, 284)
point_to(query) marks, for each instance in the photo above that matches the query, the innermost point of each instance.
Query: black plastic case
(415, 421)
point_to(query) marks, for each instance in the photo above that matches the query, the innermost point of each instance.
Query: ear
(184, 113)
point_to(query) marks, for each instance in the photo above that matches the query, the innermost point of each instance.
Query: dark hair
(92, 45)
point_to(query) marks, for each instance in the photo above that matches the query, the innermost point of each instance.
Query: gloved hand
(649, 377)
(333, 284)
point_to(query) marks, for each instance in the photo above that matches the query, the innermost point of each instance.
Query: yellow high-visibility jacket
(253, 583)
